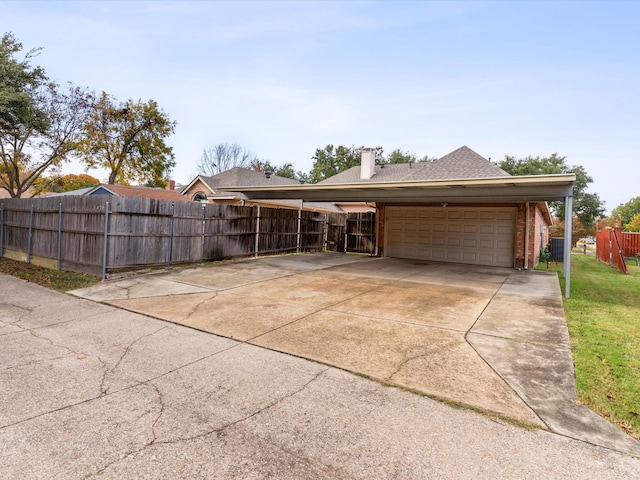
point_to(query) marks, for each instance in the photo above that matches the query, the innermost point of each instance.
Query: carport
(495, 195)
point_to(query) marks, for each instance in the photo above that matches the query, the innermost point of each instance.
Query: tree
(66, 183)
(128, 139)
(586, 206)
(634, 224)
(285, 170)
(398, 156)
(224, 156)
(331, 161)
(578, 230)
(627, 211)
(40, 122)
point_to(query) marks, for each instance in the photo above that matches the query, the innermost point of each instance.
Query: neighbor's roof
(242, 176)
(145, 192)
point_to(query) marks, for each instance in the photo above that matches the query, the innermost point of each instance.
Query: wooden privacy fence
(101, 234)
(613, 245)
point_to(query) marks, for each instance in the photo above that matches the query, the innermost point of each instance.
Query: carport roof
(532, 188)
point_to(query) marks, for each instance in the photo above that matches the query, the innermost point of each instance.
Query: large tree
(399, 156)
(128, 139)
(40, 122)
(628, 211)
(586, 206)
(286, 170)
(64, 183)
(224, 156)
(331, 160)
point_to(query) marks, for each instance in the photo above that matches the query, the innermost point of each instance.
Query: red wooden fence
(609, 247)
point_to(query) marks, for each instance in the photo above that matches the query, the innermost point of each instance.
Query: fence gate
(360, 233)
(351, 232)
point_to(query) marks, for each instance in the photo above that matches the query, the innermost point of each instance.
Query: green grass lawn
(603, 315)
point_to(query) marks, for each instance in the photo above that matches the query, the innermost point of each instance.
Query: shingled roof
(127, 191)
(244, 177)
(461, 163)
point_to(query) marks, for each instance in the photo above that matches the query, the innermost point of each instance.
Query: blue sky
(286, 78)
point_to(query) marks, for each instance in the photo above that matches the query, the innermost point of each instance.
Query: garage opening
(472, 235)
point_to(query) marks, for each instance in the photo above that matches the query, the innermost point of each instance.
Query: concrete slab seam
(515, 392)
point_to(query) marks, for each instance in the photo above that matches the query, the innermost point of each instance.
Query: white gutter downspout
(568, 230)
(526, 237)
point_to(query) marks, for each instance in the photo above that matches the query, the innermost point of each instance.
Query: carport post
(568, 230)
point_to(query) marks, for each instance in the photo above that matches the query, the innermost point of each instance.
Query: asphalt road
(92, 391)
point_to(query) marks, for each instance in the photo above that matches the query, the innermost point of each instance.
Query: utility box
(556, 246)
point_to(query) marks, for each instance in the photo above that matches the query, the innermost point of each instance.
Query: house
(208, 189)
(134, 191)
(127, 191)
(460, 208)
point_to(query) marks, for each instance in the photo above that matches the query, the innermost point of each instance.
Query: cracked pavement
(94, 392)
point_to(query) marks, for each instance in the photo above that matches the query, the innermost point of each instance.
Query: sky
(283, 79)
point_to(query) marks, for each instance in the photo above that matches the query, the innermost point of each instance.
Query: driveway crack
(103, 388)
(218, 431)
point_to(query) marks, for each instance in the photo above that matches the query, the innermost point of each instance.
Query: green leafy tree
(586, 206)
(398, 156)
(286, 170)
(331, 160)
(40, 122)
(128, 139)
(627, 211)
(64, 183)
(634, 224)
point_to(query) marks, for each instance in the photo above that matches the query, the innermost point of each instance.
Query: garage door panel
(482, 236)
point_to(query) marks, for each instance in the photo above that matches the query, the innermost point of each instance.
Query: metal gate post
(1, 229)
(298, 236)
(257, 230)
(346, 233)
(105, 241)
(30, 234)
(60, 236)
(202, 239)
(173, 206)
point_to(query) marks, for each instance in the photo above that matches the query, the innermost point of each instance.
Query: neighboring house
(144, 192)
(125, 191)
(208, 189)
(460, 208)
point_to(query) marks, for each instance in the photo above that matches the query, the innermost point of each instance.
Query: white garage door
(479, 236)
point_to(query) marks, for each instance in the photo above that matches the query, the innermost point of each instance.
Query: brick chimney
(367, 164)
(171, 185)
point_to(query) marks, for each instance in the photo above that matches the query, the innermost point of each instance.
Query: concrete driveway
(88, 390)
(490, 338)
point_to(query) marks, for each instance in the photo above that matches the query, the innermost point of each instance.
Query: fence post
(372, 225)
(30, 234)
(1, 229)
(298, 236)
(60, 236)
(346, 232)
(173, 206)
(105, 242)
(325, 232)
(257, 230)
(202, 238)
